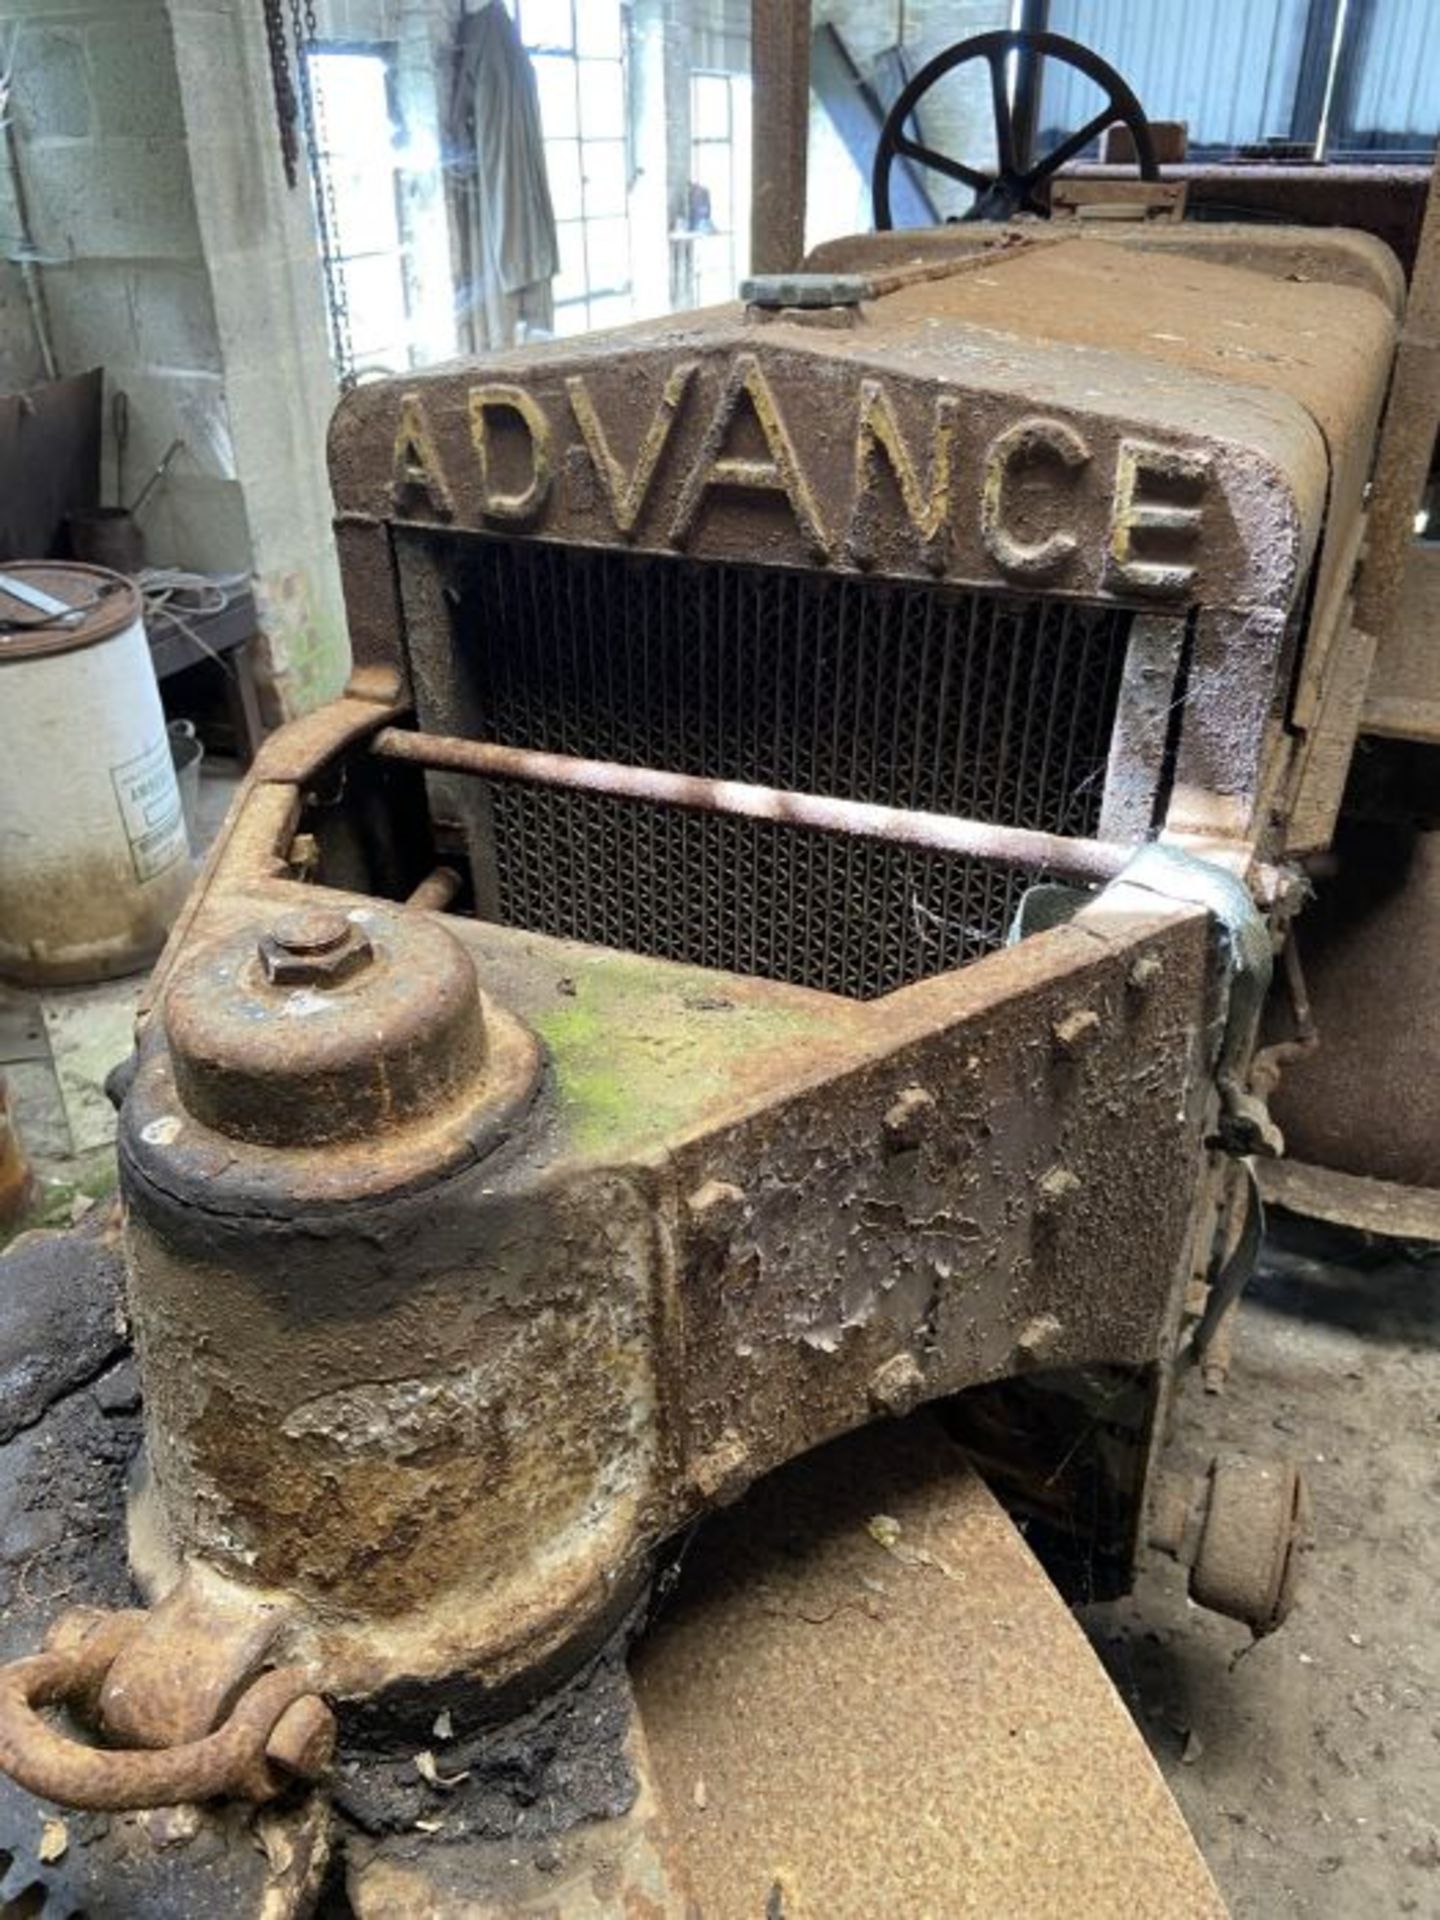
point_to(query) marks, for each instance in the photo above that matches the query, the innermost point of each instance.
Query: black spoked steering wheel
(1000, 196)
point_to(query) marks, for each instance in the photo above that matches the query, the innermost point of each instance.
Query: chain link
(286, 108)
(304, 32)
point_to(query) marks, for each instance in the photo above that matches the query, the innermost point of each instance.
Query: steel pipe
(436, 891)
(932, 832)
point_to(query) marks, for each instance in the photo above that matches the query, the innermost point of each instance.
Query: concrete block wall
(102, 136)
(258, 243)
(22, 363)
(178, 260)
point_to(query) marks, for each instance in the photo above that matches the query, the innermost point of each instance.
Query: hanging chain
(286, 109)
(305, 33)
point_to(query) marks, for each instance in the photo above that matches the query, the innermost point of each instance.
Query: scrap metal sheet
(869, 1700)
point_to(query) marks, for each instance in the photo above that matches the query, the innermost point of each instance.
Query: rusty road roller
(698, 1118)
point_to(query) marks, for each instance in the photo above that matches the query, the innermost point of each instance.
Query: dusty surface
(868, 1701)
(1309, 1767)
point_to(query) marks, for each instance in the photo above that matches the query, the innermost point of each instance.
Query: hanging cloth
(505, 220)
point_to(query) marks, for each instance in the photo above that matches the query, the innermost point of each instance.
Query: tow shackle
(278, 1733)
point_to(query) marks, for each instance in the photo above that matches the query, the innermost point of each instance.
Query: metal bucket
(94, 861)
(187, 755)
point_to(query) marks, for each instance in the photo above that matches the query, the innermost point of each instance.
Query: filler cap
(325, 1026)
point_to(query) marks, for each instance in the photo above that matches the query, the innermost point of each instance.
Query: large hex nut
(316, 947)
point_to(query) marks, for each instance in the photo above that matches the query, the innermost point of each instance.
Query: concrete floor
(57, 1045)
(1308, 1765)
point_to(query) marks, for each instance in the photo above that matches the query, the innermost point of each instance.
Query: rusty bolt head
(723, 1473)
(908, 1119)
(1055, 1192)
(1038, 1341)
(302, 1741)
(316, 947)
(1146, 972)
(897, 1385)
(716, 1209)
(1076, 1032)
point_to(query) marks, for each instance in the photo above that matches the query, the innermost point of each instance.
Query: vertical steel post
(780, 59)
(1025, 108)
(1407, 439)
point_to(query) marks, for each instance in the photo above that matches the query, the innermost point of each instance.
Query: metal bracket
(1245, 1124)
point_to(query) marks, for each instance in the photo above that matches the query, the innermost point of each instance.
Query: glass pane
(555, 80)
(365, 217)
(597, 23)
(547, 23)
(612, 310)
(711, 102)
(714, 270)
(351, 106)
(392, 359)
(712, 173)
(604, 162)
(572, 320)
(570, 280)
(562, 164)
(376, 296)
(609, 247)
(602, 99)
(740, 173)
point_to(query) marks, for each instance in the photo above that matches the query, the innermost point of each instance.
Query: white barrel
(94, 862)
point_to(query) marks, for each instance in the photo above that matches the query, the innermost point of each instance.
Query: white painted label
(150, 809)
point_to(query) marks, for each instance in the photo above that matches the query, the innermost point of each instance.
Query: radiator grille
(913, 696)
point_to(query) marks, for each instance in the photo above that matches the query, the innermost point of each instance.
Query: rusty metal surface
(485, 1498)
(780, 62)
(1255, 1527)
(869, 1700)
(71, 1418)
(1392, 602)
(176, 1675)
(437, 890)
(1333, 256)
(310, 1077)
(269, 1738)
(469, 1264)
(1402, 700)
(628, 438)
(1382, 1207)
(539, 447)
(996, 710)
(1084, 418)
(1073, 859)
(1387, 202)
(286, 1049)
(1367, 1101)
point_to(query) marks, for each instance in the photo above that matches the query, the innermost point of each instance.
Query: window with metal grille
(577, 49)
(355, 124)
(717, 236)
(912, 695)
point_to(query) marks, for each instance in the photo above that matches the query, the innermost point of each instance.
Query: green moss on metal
(637, 1062)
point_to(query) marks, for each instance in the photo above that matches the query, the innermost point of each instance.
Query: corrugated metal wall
(1232, 68)
(1229, 68)
(1389, 99)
